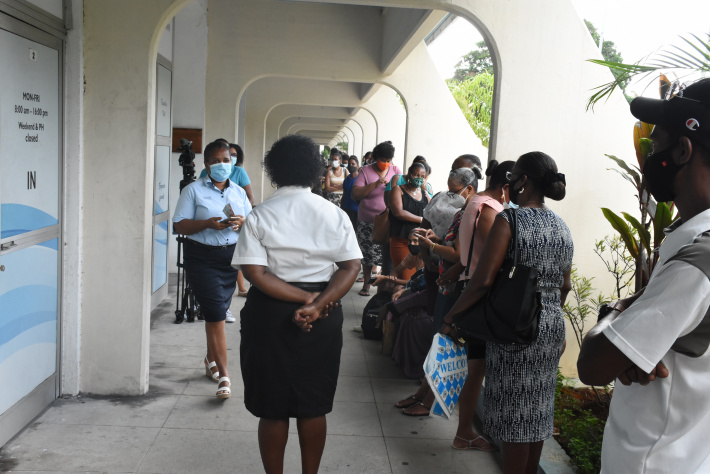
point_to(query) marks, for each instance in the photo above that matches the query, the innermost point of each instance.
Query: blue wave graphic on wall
(158, 209)
(17, 219)
(14, 328)
(51, 244)
(29, 299)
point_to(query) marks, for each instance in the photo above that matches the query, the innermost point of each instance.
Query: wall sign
(164, 92)
(29, 127)
(162, 179)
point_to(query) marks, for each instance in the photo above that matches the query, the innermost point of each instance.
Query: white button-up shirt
(665, 426)
(298, 236)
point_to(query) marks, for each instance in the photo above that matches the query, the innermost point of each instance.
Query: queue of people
(445, 251)
(460, 238)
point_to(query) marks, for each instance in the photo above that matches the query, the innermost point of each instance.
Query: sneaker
(230, 318)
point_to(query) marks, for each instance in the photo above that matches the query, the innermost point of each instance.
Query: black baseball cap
(686, 113)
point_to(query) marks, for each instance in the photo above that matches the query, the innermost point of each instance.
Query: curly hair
(383, 150)
(293, 160)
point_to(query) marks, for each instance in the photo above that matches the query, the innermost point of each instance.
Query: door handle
(8, 245)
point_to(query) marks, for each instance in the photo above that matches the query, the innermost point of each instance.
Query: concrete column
(369, 130)
(391, 120)
(119, 118)
(72, 269)
(189, 78)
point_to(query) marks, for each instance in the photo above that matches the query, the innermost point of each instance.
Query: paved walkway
(180, 427)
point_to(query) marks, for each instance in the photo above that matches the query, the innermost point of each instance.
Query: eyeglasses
(509, 176)
(233, 155)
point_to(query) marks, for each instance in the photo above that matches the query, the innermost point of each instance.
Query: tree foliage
(475, 99)
(609, 53)
(475, 62)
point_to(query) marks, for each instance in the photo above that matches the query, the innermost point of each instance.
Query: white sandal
(224, 392)
(208, 370)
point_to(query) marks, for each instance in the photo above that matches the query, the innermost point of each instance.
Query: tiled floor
(180, 427)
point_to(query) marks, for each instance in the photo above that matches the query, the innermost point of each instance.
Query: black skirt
(212, 277)
(288, 373)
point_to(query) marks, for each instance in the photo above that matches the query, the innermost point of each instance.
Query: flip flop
(485, 446)
(360, 280)
(364, 293)
(404, 412)
(408, 402)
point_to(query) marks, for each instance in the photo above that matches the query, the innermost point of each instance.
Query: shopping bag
(445, 369)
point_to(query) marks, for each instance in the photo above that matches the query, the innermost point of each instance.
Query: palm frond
(677, 58)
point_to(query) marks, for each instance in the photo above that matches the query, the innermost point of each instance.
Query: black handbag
(510, 311)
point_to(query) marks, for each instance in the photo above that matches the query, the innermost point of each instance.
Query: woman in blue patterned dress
(520, 381)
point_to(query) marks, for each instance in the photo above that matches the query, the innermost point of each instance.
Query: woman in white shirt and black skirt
(301, 256)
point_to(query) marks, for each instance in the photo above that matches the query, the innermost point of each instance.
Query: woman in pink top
(480, 213)
(369, 189)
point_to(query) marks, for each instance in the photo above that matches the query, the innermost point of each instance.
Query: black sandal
(428, 409)
(408, 402)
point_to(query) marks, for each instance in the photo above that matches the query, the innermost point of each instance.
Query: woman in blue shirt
(202, 215)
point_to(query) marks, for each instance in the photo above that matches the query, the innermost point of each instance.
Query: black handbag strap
(513, 220)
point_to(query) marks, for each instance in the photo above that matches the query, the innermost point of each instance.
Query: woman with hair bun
(520, 380)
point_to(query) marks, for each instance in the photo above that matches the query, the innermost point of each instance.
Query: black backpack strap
(697, 341)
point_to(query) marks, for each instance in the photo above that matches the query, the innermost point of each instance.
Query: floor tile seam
(103, 425)
(150, 446)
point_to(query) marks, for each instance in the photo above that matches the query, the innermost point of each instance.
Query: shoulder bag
(510, 311)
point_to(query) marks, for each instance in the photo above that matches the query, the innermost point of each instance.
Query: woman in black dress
(301, 256)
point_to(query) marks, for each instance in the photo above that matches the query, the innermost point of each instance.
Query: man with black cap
(660, 337)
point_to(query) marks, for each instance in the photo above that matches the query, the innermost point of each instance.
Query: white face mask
(336, 164)
(455, 199)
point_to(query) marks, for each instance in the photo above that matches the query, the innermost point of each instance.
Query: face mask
(510, 205)
(413, 249)
(418, 182)
(383, 165)
(336, 164)
(352, 169)
(221, 171)
(456, 200)
(514, 193)
(234, 160)
(660, 172)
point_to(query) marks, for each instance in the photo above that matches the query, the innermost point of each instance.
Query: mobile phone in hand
(372, 280)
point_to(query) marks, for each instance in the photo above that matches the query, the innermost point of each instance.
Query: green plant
(474, 97)
(618, 262)
(581, 430)
(583, 306)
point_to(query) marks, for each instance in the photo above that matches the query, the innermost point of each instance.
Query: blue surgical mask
(221, 171)
(234, 160)
(510, 205)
